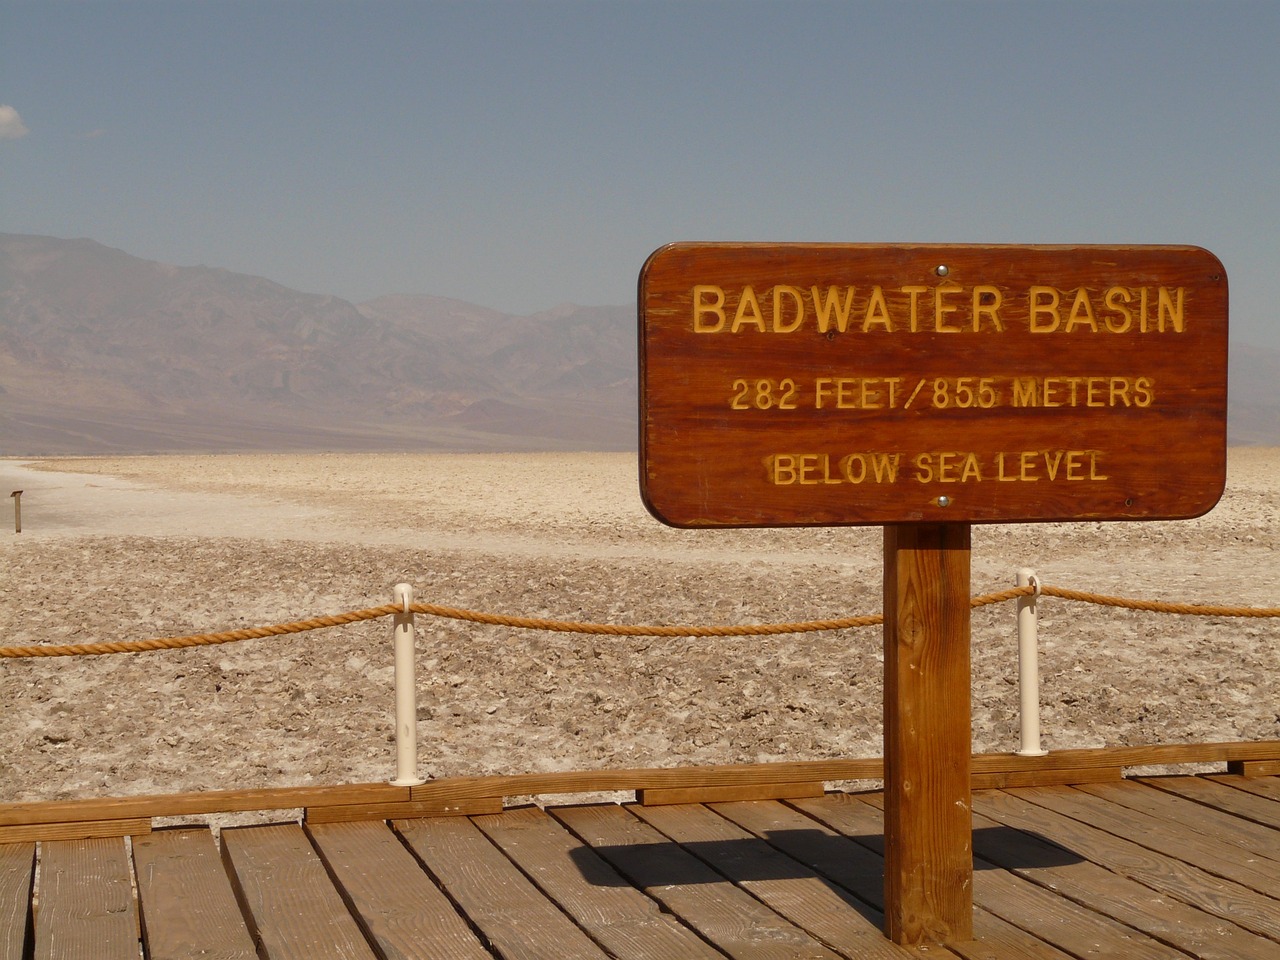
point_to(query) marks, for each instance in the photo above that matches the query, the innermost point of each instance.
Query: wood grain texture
(1192, 805)
(522, 924)
(1120, 898)
(928, 858)
(737, 370)
(286, 895)
(198, 802)
(794, 890)
(397, 904)
(87, 911)
(17, 868)
(723, 913)
(1181, 876)
(354, 812)
(745, 791)
(620, 918)
(1161, 836)
(858, 866)
(186, 902)
(584, 781)
(1041, 922)
(74, 830)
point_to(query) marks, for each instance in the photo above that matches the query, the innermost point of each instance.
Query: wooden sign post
(926, 388)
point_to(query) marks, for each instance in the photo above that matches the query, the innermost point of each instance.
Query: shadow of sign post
(925, 388)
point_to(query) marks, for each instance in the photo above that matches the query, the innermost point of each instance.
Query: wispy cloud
(11, 125)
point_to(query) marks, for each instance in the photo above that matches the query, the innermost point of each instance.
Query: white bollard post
(1029, 668)
(406, 692)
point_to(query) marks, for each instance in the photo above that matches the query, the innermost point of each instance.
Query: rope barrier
(621, 630)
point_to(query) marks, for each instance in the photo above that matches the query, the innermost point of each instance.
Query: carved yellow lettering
(1117, 300)
(877, 467)
(986, 303)
(871, 398)
(924, 467)
(1043, 302)
(1075, 465)
(947, 467)
(1169, 305)
(1027, 465)
(941, 308)
(1025, 393)
(1050, 388)
(814, 469)
(1143, 392)
(782, 469)
(701, 308)
(779, 324)
(877, 312)
(1119, 391)
(832, 304)
(748, 312)
(1000, 474)
(1095, 392)
(1052, 460)
(854, 468)
(1093, 467)
(821, 391)
(1082, 312)
(913, 315)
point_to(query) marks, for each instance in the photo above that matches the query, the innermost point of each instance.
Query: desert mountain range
(103, 352)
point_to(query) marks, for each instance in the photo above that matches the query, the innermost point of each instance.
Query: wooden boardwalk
(1165, 867)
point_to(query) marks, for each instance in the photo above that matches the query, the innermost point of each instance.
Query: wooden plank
(645, 778)
(1268, 787)
(745, 791)
(286, 895)
(1134, 756)
(200, 802)
(859, 870)
(928, 857)
(507, 909)
(1224, 794)
(354, 812)
(1162, 801)
(791, 888)
(75, 830)
(1124, 900)
(1156, 835)
(1062, 924)
(17, 868)
(459, 788)
(1254, 768)
(724, 914)
(185, 899)
(401, 910)
(1226, 899)
(1047, 777)
(86, 911)
(620, 918)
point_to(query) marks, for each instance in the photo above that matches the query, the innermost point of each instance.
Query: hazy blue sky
(523, 154)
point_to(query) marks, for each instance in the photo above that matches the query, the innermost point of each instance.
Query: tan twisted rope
(621, 630)
(1158, 606)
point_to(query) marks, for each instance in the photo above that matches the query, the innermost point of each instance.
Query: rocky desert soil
(130, 548)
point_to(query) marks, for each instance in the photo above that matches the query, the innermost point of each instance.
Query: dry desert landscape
(139, 547)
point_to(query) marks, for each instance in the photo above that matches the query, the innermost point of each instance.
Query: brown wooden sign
(814, 384)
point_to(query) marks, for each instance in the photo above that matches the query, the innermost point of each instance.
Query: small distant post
(17, 511)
